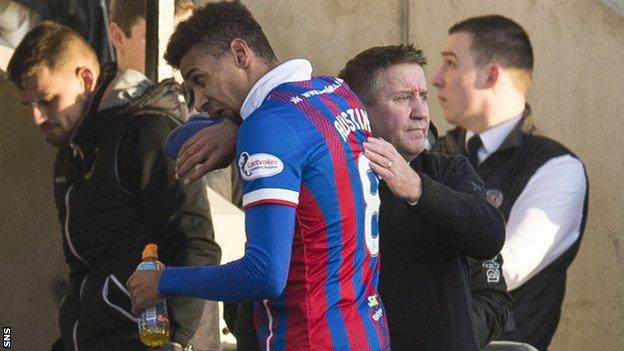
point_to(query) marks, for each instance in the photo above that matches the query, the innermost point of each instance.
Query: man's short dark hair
(126, 13)
(48, 44)
(215, 26)
(498, 38)
(362, 71)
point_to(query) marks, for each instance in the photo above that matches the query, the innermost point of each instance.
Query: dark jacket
(490, 300)
(424, 270)
(115, 192)
(536, 306)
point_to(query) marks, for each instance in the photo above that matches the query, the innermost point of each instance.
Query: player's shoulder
(275, 107)
(271, 128)
(274, 118)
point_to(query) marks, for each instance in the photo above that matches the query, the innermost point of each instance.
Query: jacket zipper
(67, 237)
(75, 253)
(75, 330)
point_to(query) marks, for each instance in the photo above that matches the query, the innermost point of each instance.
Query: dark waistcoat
(537, 303)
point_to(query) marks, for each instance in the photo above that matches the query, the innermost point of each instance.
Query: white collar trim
(493, 138)
(290, 71)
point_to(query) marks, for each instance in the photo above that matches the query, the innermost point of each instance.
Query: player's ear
(241, 51)
(491, 75)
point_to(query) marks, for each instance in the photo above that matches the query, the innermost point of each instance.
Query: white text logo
(259, 165)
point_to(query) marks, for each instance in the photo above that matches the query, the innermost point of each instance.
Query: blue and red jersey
(303, 148)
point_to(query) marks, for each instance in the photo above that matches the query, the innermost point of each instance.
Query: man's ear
(117, 35)
(241, 51)
(492, 73)
(86, 75)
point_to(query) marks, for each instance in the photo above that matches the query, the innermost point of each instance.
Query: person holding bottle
(114, 187)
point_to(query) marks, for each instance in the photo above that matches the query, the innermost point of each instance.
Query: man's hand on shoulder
(386, 161)
(211, 148)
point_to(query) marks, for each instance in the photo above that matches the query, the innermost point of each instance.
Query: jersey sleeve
(270, 160)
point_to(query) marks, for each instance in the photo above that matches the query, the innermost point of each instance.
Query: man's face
(400, 114)
(215, 82)
(134, 47)
(457, 81)
(58, 101)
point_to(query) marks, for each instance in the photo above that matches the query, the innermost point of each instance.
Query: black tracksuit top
(424, 280)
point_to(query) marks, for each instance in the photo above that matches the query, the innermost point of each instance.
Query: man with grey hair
(434, 213)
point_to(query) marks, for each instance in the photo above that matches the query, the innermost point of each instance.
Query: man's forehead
(199, 59)
(36, 83)
(404, 77)
(196, 58)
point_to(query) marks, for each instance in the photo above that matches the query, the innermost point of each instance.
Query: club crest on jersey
(259, 165)
(495, 197)
(493, 271)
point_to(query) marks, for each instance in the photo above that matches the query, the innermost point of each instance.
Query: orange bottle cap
(150, 251)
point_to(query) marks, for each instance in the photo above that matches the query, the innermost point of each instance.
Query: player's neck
(255, 72)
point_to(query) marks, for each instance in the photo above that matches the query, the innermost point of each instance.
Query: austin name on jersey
(351, 120)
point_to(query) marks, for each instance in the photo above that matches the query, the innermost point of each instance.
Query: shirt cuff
(168, 282)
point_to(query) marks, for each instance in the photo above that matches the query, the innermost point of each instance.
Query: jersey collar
(289, 71)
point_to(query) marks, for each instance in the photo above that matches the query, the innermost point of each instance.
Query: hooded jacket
(115, 192)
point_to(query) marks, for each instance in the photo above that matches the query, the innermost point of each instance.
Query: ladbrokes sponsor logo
(259, 165)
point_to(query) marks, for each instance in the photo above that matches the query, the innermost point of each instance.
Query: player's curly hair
(362, 71)
(214, 26)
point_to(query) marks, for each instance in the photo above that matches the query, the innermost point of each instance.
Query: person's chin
(55, 140)
(449, 117)
(415, 147)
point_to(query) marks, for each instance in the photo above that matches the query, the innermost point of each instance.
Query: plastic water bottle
(154, 327)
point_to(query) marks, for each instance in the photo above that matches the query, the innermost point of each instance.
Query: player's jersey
(303, 148)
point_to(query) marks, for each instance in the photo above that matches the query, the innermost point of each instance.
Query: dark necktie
(474, 143)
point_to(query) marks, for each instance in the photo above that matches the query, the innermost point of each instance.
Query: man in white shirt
(538, 184)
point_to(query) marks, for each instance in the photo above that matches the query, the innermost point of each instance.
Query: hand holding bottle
(153, 321)
(143, 286)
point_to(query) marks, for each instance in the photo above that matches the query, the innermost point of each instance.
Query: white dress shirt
(290, 71)
(545, 220)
